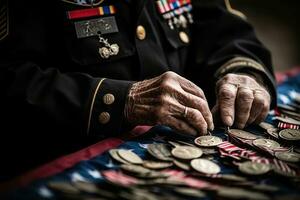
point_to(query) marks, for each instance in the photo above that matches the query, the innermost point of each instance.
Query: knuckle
(246, 95)
(226, 93)
(169, 75)
(194, 115)
(159, 112)
(166, 86)
(266, 105)
(162, 99)
(260, 101)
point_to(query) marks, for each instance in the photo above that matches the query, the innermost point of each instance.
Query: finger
(264, 112)
(244, 102)
(192, 101)
(196, 119)
(181, 126)
(257, 106)
(226, 98)
(216, 115)
(192, 88)
(262, 116)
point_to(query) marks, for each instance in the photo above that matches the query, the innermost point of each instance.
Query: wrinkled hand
(241, 100)
(171, 100)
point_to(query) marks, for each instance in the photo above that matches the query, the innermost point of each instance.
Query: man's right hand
(171, 100)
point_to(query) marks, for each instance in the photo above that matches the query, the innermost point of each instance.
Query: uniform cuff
(107, 108)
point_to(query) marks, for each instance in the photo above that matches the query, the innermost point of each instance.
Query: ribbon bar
(91, 12)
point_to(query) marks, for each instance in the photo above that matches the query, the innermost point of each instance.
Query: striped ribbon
(283, 167)
(228, 149)
(91, 12)
(165, 6)
(284, 125)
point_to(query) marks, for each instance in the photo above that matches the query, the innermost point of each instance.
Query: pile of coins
(182, 169)
(183, 155)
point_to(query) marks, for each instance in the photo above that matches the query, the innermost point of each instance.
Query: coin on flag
(130, 156)
(208, 141)
(254, 168)
(288, 156)
(290, 134)
(205, 166)
(186, 152)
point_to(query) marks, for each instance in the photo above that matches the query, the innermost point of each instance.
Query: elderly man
(74, 72)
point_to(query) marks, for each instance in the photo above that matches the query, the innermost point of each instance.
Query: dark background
(277, 26)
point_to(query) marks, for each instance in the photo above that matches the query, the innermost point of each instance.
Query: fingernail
(212, 127)
(228, 121)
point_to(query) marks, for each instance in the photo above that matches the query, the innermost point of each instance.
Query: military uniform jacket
(58, 93)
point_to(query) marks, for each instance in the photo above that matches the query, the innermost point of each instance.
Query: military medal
(97, 27)
(108, 49)
(177, 13)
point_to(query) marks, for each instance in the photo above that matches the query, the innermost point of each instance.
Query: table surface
(89, 163)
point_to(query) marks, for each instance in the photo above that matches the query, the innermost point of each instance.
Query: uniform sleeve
(71, 101)
(224, 42)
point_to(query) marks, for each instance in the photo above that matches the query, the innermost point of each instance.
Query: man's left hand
(241, 100)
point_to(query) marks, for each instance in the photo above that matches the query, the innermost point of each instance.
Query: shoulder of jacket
(234, 11)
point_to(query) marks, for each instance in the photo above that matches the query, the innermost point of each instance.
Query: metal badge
(108, 49)
(92, 27)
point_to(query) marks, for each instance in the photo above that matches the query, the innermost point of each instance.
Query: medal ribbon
(91, 12)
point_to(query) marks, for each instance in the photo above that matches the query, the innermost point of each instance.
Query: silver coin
(290, 134)
(130, 156)
(233, 177)
(266, 143)
(185, 143)
(288, 156)
(182, 165)
(86, 186)
(63, 187)
(288, 120)
(253, 168)
(239, 193)
(135, 169)
(209, 151)
(266, 126)
(186, 152)
(208, 141)
(174, 144)
(156, 164)
(242, 134)
(143, 172)
(114, 154)
(190, 192)
(280, 171)
(205, 166)
(265, 187)
(160, 151)
(273, 132)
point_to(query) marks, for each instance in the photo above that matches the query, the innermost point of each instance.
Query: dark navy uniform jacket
(53, 84)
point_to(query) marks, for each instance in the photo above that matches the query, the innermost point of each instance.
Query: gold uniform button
(108, 99)
(184, 37)
(140, 32)
(104, 117)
